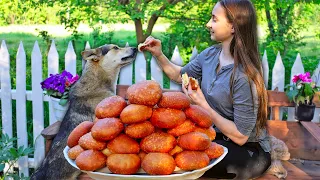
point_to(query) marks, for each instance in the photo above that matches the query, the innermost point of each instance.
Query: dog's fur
(98, 81)
(279, 152)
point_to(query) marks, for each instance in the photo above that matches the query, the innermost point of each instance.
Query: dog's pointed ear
(92, 54)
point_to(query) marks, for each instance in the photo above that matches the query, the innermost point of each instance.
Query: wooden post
(176, 59)
(6, 97)
(126, 72)
(53, 68)
(265, 68)
(278, 73)
(71, 60)
(140, 68)
(21, 108)
(37, 104)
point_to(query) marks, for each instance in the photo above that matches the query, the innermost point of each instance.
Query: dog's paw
(277, 169)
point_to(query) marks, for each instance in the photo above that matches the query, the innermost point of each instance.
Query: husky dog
(97, 82)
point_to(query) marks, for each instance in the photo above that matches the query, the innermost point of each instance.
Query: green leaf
(292, 94)
(2, 167)
(13, 152)
(63, 102)
(27, 151)
(64, 97)
(300, 99)
(308, 90)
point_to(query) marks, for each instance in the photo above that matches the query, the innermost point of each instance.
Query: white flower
(299, 86)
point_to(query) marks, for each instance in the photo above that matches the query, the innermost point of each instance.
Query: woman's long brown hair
(244, 49)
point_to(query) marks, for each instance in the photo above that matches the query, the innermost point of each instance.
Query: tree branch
(154, 17)
(182, 17)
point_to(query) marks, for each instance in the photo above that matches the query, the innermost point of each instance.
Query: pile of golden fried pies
(154, 130)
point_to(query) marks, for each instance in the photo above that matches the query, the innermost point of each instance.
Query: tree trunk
(139, 31)
(270, 22)
(12, 18)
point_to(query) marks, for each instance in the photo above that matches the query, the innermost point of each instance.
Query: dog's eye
(115, 47)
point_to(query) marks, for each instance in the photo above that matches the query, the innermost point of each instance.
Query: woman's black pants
(241, 162)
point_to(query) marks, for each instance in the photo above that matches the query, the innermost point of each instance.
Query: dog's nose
(134, 49)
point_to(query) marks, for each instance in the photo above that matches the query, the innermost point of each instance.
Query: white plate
(104, 173)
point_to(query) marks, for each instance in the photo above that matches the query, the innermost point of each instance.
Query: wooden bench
(302, 138)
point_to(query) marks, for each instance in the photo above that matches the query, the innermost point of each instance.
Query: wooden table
(313, 128)
(302, 138)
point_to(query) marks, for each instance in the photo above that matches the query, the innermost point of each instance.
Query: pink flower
(303, 77)
(74, 79)
(295, 78)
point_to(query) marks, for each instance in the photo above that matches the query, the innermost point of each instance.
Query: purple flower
(66, 74)
(56, 85)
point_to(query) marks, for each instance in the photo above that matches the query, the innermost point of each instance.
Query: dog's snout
(134, 50)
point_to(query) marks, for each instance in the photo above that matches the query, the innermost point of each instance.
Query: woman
(232, 88)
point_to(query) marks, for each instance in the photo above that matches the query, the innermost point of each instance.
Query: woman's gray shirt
(215, 86)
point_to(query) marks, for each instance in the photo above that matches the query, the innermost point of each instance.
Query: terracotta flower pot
(304, 112)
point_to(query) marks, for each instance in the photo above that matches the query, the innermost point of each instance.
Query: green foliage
(9, 155)
(46, 37)
(189, 31)
(27, 12)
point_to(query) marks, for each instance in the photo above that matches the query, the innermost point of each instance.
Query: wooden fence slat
(316, 75)
(53, 68)
(176, 59)
(0, 66)
(21, 108)
(140, 68)
(194, 53)
(71, 60)
(86, 47)
(316, 78)
(125, 76)
(265, 68)
(297, 68)
(278, 73)
(37, 104)
(6, 102)
(156, 71)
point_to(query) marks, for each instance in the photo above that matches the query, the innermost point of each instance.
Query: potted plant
(302, 92)
(57, 86)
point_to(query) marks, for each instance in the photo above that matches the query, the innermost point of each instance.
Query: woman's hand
(153, 46)
(196, 96)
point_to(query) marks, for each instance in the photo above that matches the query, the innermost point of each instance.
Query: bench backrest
(278, 99)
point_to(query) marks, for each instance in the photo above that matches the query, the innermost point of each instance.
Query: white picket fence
(20, 94)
